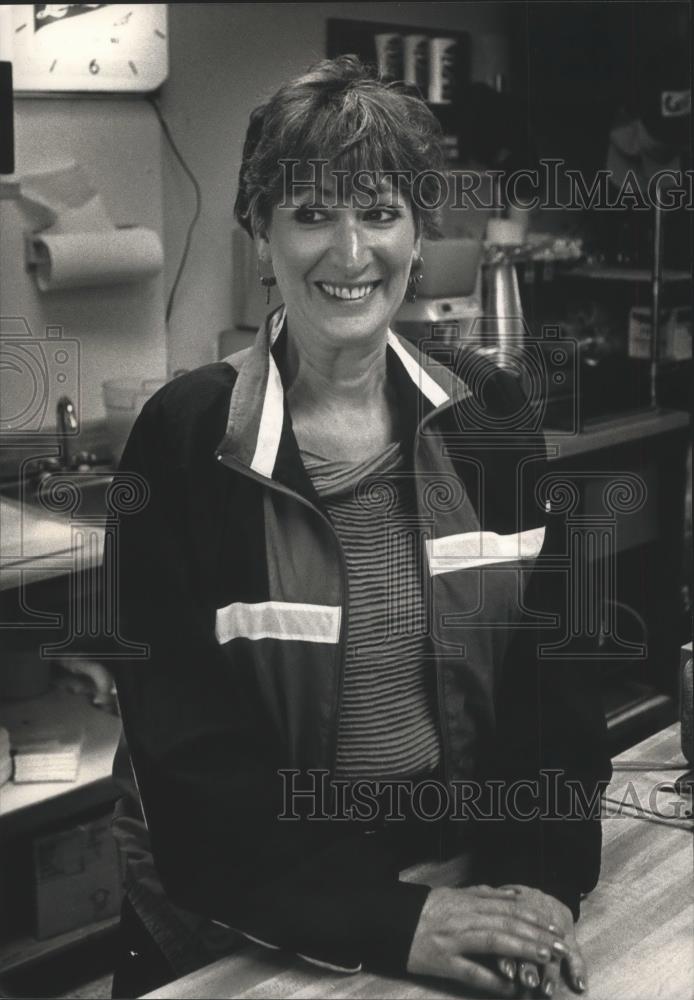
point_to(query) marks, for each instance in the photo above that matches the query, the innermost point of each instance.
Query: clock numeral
(133, 67)
(53, 65)
(94, 67)
(160, 33)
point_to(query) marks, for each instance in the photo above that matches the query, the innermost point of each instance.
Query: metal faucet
(66, 420)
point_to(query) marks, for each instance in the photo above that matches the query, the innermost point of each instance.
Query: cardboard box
(76, 877)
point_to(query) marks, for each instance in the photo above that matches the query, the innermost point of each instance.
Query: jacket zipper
(443, 731)
(344, 580)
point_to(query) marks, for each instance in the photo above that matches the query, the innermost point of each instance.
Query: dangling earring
(267, 281)
(416, 275)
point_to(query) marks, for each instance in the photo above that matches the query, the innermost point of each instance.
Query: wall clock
(89, 47)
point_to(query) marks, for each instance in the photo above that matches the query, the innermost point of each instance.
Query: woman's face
(342, 270)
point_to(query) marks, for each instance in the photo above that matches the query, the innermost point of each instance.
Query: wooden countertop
(636, 929)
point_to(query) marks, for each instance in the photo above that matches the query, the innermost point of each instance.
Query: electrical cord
(640, 812)
(198, 203)
(648, 765)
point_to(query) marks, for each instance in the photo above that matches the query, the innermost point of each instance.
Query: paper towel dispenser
(75, 243)
(118, 256)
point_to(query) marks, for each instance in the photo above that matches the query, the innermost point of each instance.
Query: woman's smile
(348, 294)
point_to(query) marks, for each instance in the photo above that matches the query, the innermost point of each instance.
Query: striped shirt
(387, 724)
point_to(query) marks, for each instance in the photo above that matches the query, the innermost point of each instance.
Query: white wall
(226, 59)
(119, 330)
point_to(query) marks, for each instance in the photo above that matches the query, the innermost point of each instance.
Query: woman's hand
(458, 926)
(543, 980)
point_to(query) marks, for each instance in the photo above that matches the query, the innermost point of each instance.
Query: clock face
(108, 47)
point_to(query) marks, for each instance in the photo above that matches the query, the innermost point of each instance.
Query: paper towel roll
(109, 257)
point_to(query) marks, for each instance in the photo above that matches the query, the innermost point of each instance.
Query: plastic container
(123, 400)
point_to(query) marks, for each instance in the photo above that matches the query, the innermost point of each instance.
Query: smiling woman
(334, 580)
(325, 190)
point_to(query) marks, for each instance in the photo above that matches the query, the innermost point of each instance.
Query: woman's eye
(310, 214)
(380, 214)
(307, 214)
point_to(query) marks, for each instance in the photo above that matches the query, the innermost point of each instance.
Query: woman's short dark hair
(341, 113)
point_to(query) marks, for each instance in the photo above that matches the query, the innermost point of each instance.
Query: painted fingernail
(507, 968)
(544, 954)
(555, 930)
(531, 978)
(547, 989)
(560, 948)
(581, 983)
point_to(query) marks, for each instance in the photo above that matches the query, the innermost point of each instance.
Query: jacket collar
(259, 429)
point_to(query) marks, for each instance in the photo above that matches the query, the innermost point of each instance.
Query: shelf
(631, 274)
(345, 36)
(21, 953)
(28, 806)
(615, 431)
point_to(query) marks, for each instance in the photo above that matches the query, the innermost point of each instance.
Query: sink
(55, 528)
(65, 494)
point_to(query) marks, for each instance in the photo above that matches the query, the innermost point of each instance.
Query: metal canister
(503, 328)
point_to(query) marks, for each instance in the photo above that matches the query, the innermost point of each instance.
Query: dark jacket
(233, 578)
